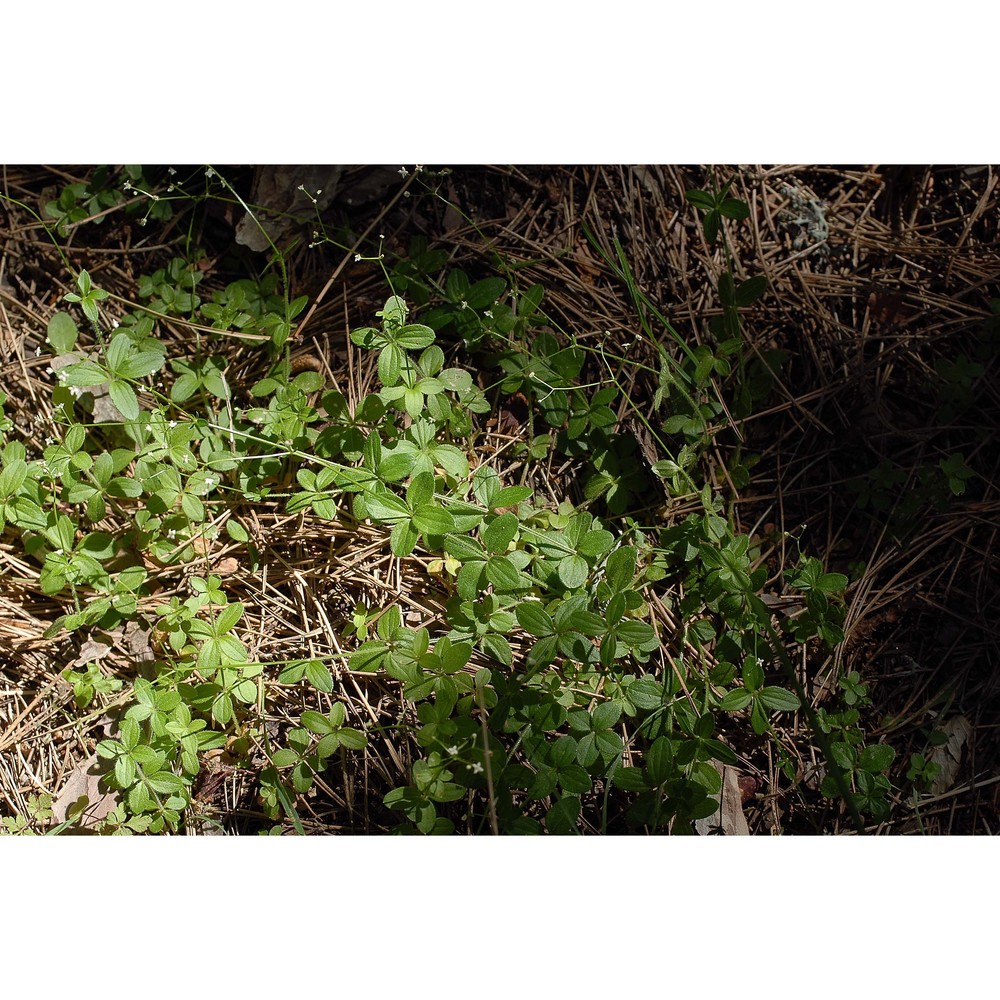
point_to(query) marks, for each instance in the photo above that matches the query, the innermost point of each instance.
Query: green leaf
(83, 374)
(500, 533)
(533, 618)
(228, 617)
(701, 199)
(574, 779)
(138, 795)
(415, 336)
(421, 490)
(832, 583)
(124, 398)
(222, 709)
(352, 739)
(563, 751)
(595, 543)
(62, 333)
(778, 699)
(735, 701)
(631, 779)
(371, 655)
(609, 744)
(733, 208)
(543, 783)
(193, 507)
(292, 673)
(284, 758)
(397, 465)
(429, 519)
(606, 715)
(620, 569)
(386, 506)
(749, 291)
(236, 531)
(14, 473)
(561, 819)
(390, 364)
(636, 634)
(141, 365)
(462, 548)
(484, 293)
(711, 225)
(316, 723)
(753, 674)
(510, 495)
(530, 300)
(645, 693)
(876, 759)
(574, 615)
(403, 538)
(166, 782)
(659, 761)
(125, 771)
(502, 573)
(319, 676)
(573, 571)
(497, 647)
(721, 752)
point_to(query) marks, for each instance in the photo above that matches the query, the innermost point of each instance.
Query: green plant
(38, 813)
(581, 669)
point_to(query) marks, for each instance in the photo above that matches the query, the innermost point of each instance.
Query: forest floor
(872, 448)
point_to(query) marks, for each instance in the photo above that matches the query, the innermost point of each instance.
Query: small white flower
(451, 750)
(489, 313)
(403, 172)
(357, 257)
(209, 481)
(475, 768)
(38, 352)
(465, 305)
(172, 424)
(128, 186)
(76, 390)
(114, 324)
(171, 171)
(209, 173)
(381, 236)
(418, 169)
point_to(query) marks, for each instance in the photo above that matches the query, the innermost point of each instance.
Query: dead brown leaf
(82, 794)
(92, 649)
(949, 756)
(729, 817)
